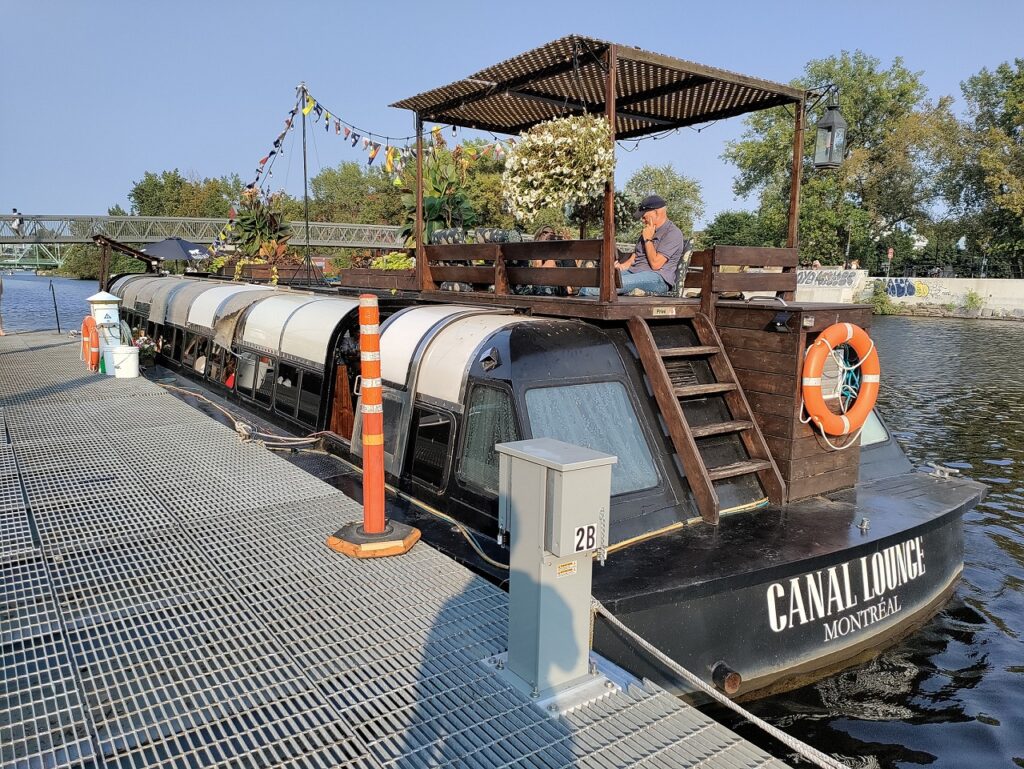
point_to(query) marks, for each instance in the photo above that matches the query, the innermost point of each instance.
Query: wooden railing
(499, 264)
(753, 269)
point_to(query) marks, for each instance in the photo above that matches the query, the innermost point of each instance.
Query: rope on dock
(811, 754)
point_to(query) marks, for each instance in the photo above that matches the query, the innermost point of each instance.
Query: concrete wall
(824, 285)
(1000, 297)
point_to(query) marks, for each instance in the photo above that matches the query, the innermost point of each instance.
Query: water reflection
(953, 392)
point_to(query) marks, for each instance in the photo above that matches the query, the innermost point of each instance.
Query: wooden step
(721, 428)
(688, 352)
(714, 388)
(738, 468)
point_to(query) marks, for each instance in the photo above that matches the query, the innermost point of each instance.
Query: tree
(890, 181)
(683, 194)
(736, 228)
(171, 194)
(351, 193)
(988, 190)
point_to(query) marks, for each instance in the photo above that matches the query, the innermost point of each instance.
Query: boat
(747, 546)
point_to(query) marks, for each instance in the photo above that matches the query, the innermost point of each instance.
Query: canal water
(949, 696)
(27, 304)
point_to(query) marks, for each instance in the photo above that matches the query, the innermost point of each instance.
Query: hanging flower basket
(561, 162)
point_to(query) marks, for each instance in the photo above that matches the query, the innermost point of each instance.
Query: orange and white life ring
(814, 365)
(91, 343)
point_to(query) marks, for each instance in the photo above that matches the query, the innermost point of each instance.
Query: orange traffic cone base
(354, 542)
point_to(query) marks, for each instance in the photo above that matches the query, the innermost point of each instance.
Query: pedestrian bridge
(60, 229)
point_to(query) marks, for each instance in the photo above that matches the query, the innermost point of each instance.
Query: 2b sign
(585, 537)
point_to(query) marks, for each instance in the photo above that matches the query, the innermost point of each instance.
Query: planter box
(361, 277)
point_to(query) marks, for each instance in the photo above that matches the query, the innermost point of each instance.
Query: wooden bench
(707, 274)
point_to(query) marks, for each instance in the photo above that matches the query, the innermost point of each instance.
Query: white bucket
(126, 362)
(108, 359)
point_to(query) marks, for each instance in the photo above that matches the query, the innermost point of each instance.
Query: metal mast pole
(305, 183)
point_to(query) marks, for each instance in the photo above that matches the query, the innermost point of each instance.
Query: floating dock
(167, 600)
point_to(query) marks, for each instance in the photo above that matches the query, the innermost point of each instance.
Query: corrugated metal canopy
(567, 76)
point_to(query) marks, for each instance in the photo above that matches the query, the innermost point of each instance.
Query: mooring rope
(812, 754)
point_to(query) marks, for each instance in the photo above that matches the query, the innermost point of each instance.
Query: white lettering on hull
(829, 594)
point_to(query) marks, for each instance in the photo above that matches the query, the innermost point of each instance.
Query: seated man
(652, 267)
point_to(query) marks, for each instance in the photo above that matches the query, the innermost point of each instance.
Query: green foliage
(352, 193)
(973, 301)
(890, 180)
(445, 200)
(82, 261)
(260, 228)
(171, 194)
(881, 304)
(736, 228)
(395, 260)
(681, 193)
(590, 217)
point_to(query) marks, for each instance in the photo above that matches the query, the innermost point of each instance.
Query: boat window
(874, 431)
(215, 369)
(489, 420)
(392, 406)
(432, 432)
(309, 397)
(287, 394)
(194, 354)
(599, 416)
(265, 377)
(254, 371)
(172, 345)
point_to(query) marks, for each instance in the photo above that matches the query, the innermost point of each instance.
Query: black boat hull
(782, 627)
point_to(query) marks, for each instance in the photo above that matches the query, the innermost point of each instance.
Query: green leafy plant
(445, 200)
(973, 301)
(396, 260)
(562, 162)
(881, 304)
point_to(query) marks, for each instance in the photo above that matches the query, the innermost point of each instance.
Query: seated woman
(543, 234)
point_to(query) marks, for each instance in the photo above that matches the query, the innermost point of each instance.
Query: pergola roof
(567, 76)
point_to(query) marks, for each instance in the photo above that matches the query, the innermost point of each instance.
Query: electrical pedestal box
(554, 499)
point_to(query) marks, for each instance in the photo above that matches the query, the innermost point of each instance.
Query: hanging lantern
(830, 143)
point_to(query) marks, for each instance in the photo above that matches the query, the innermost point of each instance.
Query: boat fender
(814, 364)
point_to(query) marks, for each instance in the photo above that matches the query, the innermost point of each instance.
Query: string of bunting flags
(395, 158)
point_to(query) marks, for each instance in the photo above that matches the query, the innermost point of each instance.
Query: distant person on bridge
(17, 222)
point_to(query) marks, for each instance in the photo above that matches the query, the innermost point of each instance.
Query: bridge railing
(50, 228)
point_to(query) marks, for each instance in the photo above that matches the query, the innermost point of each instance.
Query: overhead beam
(579, 106)
(708, 117)
(511, 84)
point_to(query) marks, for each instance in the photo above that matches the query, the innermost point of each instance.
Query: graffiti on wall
(898, 288)
(831, 278)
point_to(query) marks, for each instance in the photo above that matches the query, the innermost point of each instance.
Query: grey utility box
(554, 499)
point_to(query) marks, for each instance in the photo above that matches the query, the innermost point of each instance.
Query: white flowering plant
(562, 162)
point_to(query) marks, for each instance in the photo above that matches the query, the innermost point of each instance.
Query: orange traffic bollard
(373, 415)
(375, 536)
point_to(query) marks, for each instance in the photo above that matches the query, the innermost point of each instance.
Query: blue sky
(96, 93)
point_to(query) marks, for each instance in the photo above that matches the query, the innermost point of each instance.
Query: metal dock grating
(167, 600)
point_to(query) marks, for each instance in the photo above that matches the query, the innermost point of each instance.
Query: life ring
(814, 365)
(91, 344)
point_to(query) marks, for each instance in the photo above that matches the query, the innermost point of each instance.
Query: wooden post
(104, 265)
(423, 279)
(793, 236)
(609, 254)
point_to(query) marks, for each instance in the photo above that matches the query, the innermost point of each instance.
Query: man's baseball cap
(650, 203)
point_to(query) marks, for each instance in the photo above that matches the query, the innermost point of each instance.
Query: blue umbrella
(176, 250)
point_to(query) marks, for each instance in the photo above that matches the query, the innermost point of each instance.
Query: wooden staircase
(670, 398)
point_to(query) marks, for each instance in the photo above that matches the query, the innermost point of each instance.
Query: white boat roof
(118, 286)
(451, 352)
(179, 303)
(307, 333)
(402, 333)
(266, 319)
(203, 311)
(162, 296)
(133, 288)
